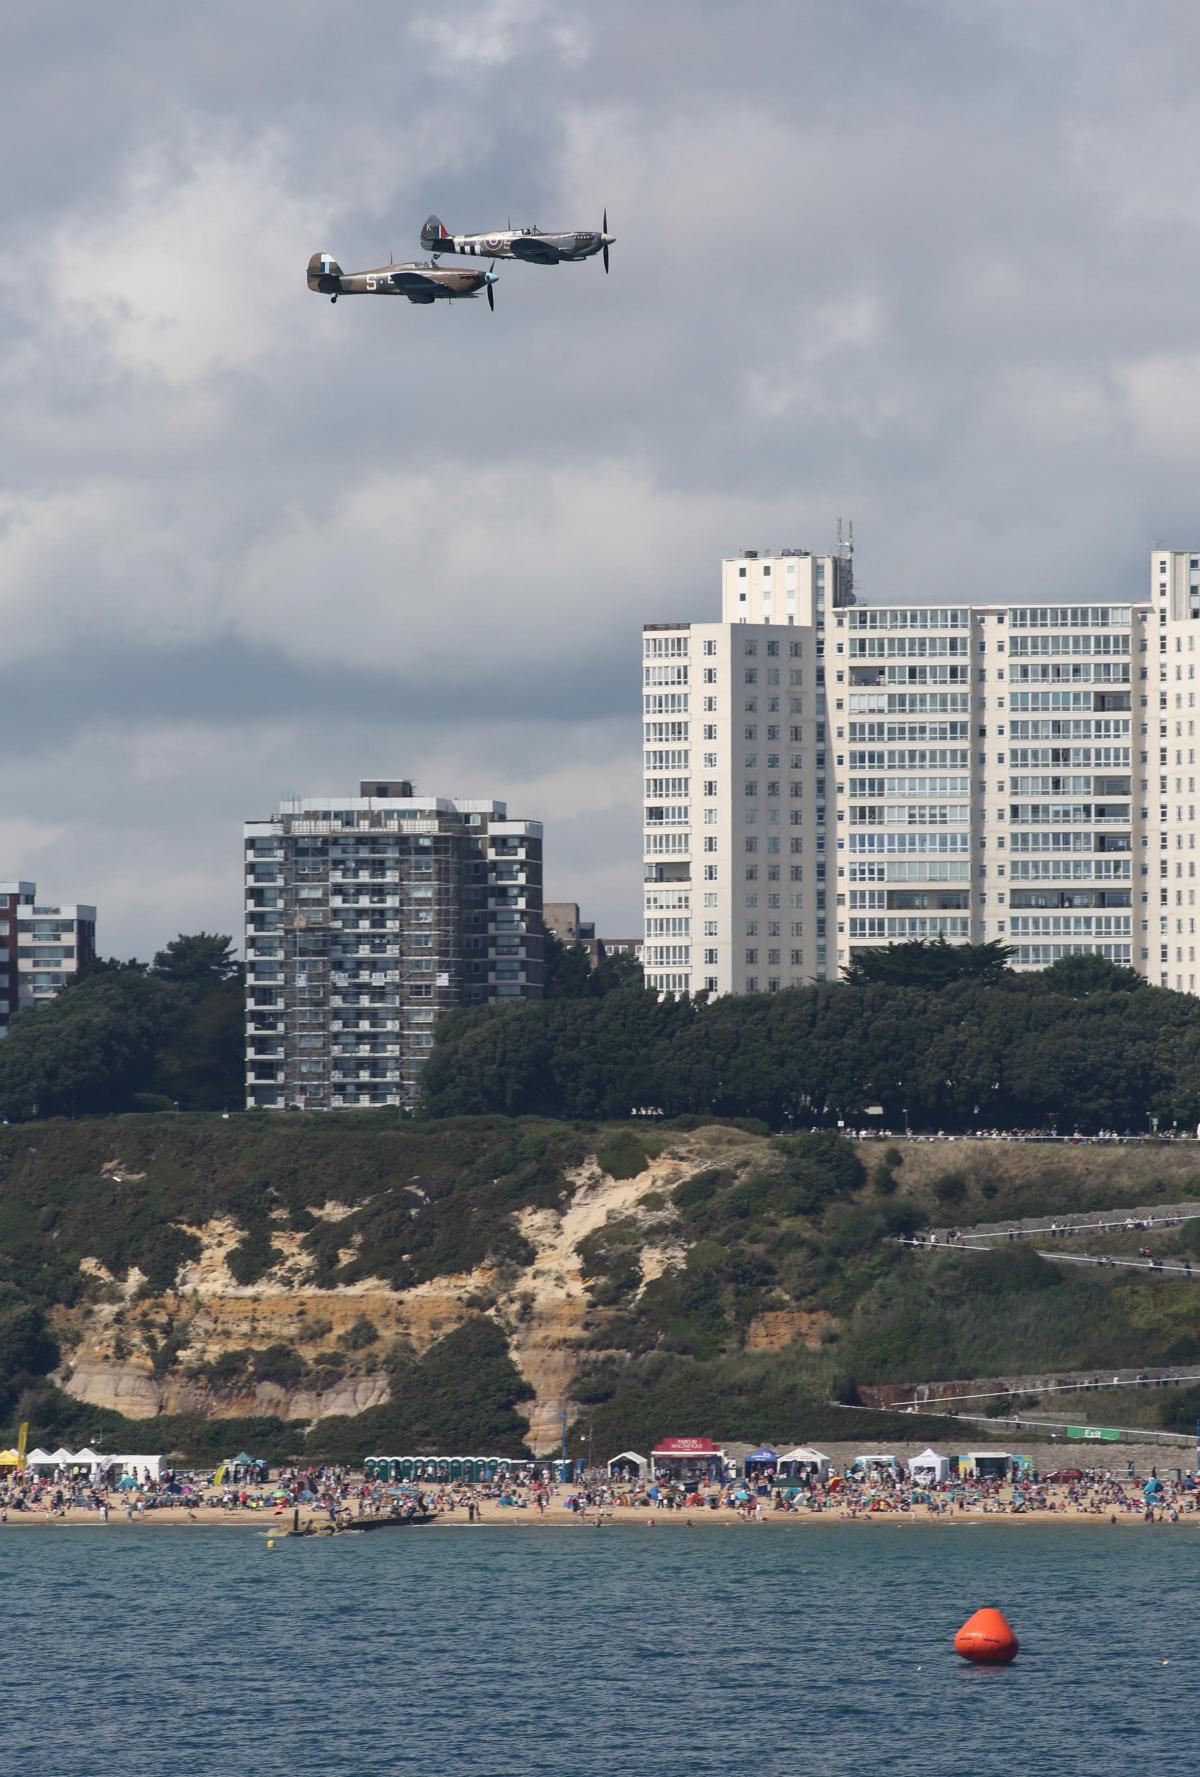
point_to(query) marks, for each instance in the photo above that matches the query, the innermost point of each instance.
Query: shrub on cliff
(253, 1256)
(461, 1397)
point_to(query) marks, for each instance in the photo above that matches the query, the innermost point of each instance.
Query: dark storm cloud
(232, 681)
(927, 263)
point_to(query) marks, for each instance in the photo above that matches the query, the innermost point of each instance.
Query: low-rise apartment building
(367, 918)
(564, 920)
(41, 947)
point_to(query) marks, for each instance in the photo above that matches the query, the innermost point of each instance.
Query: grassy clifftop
(335, 1284)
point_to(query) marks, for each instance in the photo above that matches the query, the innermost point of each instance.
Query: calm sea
(750, 1651)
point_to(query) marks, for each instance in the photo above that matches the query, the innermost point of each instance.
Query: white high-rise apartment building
(824, 775)
(1169, 764)
(738, 782)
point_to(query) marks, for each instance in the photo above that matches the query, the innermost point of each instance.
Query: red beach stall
(690, 1460)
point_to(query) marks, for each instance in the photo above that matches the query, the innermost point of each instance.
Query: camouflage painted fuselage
(420, 283)
(534, 245)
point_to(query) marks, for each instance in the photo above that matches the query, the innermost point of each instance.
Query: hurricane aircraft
(536, 245)
(420, 283)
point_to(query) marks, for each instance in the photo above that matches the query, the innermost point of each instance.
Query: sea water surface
(147, 1651)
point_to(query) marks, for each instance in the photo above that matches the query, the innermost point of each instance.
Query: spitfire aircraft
(533, 244)
(420, 283)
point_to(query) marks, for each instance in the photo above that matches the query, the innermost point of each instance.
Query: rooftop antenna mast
(845, 561)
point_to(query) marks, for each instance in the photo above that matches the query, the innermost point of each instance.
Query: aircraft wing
(537, 252)
(414, 284)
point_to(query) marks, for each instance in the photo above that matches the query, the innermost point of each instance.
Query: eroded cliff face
(145, 1355)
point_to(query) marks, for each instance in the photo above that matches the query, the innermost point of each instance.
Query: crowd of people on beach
(1074, 1137)
(333, 1494)
(182, 1492)
(1078, 1493)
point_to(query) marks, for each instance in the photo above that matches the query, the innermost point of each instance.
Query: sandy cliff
(147, 1354)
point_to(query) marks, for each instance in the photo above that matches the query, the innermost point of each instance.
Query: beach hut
(929, 1467)
(628, 1466)
(802, 1463)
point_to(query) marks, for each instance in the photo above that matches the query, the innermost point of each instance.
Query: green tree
(1090, 974)
(612, 973)
(198, 961)
(569, 974)
(203, 1066)
(927, 963)
(568, 969)
(122, 1037)
(91, 1050)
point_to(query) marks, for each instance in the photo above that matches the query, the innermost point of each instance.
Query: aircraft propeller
(491, 289)
(606, 242)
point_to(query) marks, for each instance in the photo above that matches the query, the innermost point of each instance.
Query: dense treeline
(1082, 1043)
(133, 1036)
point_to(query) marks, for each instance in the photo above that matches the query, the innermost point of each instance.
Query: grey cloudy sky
(932, 263)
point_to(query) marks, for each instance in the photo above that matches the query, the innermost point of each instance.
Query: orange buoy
(986, 1639)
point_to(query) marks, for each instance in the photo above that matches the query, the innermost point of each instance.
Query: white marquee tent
(142, 1468)
(929, 1466)
(61, 1458)
(628, 1463)
(803, 1460)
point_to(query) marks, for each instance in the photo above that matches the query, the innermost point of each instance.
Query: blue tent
(764, 1457)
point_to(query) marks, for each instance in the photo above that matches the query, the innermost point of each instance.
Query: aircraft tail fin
(434, 234)
(324, 274)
